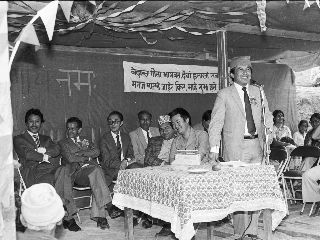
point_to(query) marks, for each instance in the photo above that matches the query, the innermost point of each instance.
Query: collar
(114, 135)
(144, 131)
(239, 87)
(32, 134)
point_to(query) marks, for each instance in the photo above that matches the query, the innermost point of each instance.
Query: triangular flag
(48, 16)
(318, 3)
(66, 8)
(29, 35)
(93, 2)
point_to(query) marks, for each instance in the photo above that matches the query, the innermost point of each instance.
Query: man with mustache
(37, 153)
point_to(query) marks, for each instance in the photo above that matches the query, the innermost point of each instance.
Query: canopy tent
(179, 26)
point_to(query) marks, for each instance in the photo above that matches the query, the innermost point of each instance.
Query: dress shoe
(102, 223)
(115, 213)
(164, 232)
(146, 223)
(71, 225)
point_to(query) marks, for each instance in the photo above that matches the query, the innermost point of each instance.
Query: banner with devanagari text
(170, 78)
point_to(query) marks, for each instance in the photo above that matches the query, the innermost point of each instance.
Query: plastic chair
(294, 175)
(82, 197)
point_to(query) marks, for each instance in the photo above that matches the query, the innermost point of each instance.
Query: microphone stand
(266, 147)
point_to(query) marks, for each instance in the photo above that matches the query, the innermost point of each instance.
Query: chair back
(278, 154)
(306, 151)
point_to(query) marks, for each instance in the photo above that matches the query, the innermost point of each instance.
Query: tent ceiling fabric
(289, 27)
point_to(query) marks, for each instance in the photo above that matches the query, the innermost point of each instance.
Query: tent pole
(222, 57)
(222, 67)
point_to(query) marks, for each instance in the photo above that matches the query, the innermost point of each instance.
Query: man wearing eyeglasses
(116, 152)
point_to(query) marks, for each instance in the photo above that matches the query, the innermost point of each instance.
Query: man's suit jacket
(139, 142)
(228, 116)
(25, 147)
(71, 160)
(109, 158)
(152, 152)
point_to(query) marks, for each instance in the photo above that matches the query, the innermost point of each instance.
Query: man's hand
(41, 150)
(123, 164)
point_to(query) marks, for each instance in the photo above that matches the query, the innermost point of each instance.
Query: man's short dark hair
(302, 122)
(206, 115)
(315, 115)
(74, 120)
(183, 113)
(144, 112)
(33, 111)
(116, 113)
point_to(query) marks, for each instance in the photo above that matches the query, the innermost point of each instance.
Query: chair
(280, 155)
(291, 175)
(82, 197)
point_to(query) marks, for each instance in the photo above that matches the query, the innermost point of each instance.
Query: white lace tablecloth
(184, 198)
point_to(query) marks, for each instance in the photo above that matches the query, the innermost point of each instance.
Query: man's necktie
(36, 140)
(119, 146)
(75, 141)
(148, 136)
(249, 117)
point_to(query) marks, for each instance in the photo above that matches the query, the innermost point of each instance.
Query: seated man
(157, 153)
(158, 149)
(204, 124)
(41, 211)
(82, 169)
(36, 152)
(116, 153)
(188, 138)
(141, 136)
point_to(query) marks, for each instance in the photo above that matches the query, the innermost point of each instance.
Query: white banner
(170, 78)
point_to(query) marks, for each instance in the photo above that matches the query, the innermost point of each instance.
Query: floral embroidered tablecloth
(183, 198)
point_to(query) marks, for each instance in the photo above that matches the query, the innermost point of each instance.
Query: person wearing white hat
(237, 114)
(41, 211)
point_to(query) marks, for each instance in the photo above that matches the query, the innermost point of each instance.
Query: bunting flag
(128, 9)
(48, 16)
(28, 35)
(66, 8)
(93, 2)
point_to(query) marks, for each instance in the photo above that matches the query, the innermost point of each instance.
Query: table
(184, 198)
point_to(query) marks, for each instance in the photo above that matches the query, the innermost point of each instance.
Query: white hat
(164, 119)
(242, 60)
(41, 205)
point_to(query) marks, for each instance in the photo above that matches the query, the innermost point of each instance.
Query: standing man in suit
(82, 169)
(239, 118)
(37, 153)
(140, 137)
(116, 153)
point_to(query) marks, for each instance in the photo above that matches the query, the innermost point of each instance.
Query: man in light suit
(37, 153)
(79, 167)
(141, 135)
(237, 113)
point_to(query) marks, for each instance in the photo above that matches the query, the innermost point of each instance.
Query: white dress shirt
(145, 134)
(115, 140)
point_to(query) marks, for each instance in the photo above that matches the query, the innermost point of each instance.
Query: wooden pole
(222, 57)
(222, 66)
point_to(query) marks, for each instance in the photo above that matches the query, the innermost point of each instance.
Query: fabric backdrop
(39, 80)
